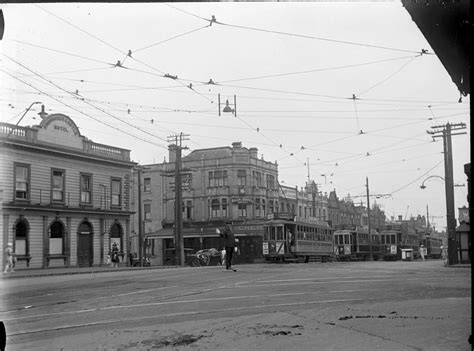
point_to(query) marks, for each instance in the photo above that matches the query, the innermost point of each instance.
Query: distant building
(65, 199)
(304, 202)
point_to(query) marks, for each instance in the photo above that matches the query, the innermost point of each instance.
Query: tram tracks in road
(256, 308)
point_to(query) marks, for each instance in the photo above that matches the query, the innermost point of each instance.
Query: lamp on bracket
(227, 108)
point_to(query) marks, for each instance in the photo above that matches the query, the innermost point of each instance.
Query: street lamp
(227, 108)
(26, 111)
(423, 186)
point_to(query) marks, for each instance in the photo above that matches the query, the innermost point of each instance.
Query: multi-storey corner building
(219, 185)
(65, 199)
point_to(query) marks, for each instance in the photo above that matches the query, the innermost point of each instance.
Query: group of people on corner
(229, 244)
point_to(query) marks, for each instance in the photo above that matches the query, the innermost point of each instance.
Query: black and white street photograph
(235, 176)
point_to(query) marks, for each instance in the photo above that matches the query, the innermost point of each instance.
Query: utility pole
(368, 215)
(445, 131)
(140, 219)
(178, 216)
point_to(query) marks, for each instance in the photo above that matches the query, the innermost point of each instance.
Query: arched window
(116, 236)
(21, 238)
(215, 208)
(56, 236)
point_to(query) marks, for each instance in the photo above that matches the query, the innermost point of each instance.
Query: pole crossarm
(439, 131)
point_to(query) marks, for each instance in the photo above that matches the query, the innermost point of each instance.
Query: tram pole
(368, 215)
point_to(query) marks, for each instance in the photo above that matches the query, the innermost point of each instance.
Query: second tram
(354, 244)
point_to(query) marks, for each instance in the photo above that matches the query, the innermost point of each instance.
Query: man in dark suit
(229, 245)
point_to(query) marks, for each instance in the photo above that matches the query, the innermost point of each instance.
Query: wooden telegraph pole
(371, 258)
(178, 216)
(444, 131)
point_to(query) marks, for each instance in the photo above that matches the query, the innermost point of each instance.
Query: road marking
(332, 281)
(142, 291)
(166, 303)
(298, 279)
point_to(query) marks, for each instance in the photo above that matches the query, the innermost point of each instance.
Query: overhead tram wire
(80, 29)
(186, 12)
(318, 38)
(85, 114)
(169, 39)
(389, 77)
(193, 81)
(61, 52)
(300, 35)
(72, 94)
(316, 70)
(418, 178)
(109, 45)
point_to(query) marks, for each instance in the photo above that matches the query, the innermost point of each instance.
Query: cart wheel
(195, 262)
(205, 259)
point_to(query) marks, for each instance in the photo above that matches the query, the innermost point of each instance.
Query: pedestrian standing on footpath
(115, 255)
(422, 252)
(9, 257)
(229, 245)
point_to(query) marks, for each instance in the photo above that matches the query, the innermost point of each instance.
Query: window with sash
(86, 189)
(187, 209)
(258, 179)
(147, 185)
(22, 182)
(241, 177)
(215, 208)
(242, 210)
(217, 178)
(56, 237)
(116, 192)
(57, 185)
(270, 181)
(147, 211)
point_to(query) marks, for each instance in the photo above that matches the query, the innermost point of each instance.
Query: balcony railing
(29, 134)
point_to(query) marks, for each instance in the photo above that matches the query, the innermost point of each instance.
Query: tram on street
(352, 243)
(397, 236)
(288, 238)
(432, 245)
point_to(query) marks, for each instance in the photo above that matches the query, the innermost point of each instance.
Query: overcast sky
(294, 68)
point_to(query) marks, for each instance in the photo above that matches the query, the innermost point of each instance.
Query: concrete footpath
(38, 272)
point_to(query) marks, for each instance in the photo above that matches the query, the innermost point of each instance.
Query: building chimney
(43, 113)
(400, 217)
(172, 153)
(253, 151)
(237, 145)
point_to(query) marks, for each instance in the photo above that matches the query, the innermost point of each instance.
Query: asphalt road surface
(315, 306)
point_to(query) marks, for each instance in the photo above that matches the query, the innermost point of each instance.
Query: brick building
(219, 184)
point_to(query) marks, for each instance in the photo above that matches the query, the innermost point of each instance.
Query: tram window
(279, 233)
(346, 239)
(265, 234)
(272, 233)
